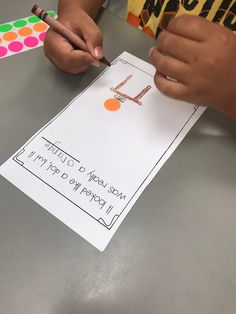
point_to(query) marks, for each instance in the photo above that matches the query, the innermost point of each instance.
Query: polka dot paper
(22, 35)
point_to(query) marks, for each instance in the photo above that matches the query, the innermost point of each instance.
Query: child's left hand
(201, 58)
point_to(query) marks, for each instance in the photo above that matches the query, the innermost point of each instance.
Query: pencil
(63, 31)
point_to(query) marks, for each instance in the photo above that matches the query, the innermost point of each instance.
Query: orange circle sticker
(25, 31)
(112, 104)
(40, 27)
(9, 36)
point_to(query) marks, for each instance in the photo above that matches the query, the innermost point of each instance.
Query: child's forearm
(91, 7)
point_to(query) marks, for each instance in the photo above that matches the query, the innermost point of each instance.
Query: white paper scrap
(89, 164)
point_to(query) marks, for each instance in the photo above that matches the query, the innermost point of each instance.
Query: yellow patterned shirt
(152, 16)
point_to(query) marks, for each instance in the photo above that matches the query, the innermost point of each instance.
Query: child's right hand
(60, 52)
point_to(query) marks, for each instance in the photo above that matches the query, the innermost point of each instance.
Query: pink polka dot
(3, 51)
(15, 46)
(31, 41)
(42, 36)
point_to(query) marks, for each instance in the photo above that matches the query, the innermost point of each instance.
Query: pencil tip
(105, 61)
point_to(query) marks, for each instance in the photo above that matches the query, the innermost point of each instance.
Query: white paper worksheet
(89, 164)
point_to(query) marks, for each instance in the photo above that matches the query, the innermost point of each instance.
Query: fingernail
(98, 52)
(96, 63)
(151, 50)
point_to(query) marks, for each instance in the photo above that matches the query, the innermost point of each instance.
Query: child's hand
(201, 58)
(62, 53)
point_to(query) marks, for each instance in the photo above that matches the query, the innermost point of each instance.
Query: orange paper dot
(40, 27)
(0, 40)
(25, 31)
(9, 36)
(112, 104)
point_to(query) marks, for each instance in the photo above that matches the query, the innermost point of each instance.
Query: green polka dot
(52, 14)
(33, 19)
(20, 23)
(5, 28)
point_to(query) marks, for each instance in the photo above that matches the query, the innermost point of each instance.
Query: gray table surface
(175, 253)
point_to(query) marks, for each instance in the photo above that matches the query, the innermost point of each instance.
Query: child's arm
(200, 56)
(91, 7)
(78, 16)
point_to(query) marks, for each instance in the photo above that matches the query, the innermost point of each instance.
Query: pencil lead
(105, 61)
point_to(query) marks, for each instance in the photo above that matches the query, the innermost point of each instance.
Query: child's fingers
(169, 66)
(178, 47)
(77, 61)
(54, 40)
(94, 38)
(170, 88)
(63, 55)
(190, 26)
(69, 68)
